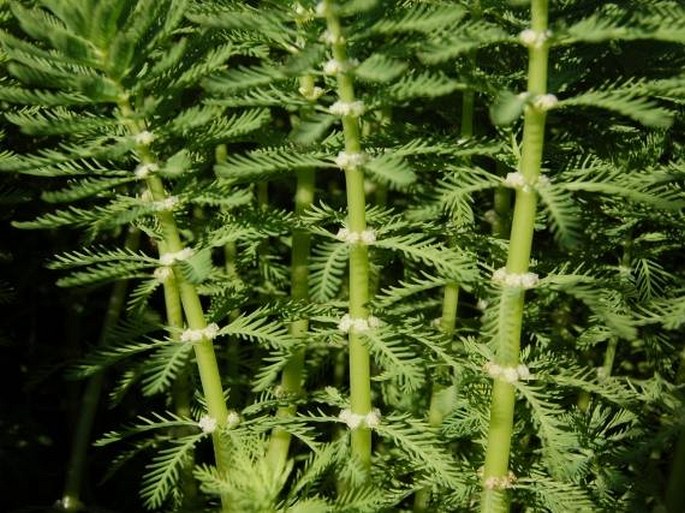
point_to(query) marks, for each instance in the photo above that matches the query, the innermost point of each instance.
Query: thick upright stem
(71, 498)
(204, 350)
(360, 374)
(496, 471)
(205, 356)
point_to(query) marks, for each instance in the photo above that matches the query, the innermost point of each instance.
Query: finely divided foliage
(312, 185)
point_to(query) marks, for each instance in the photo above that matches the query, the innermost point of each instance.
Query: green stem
(291, 380)
(205, 356)
(71, 498)
(181, 389)
(230, 256)
(467, 110)
(263, 248)
(609, 357)
(204, 350)
(359, 366)
(172, 302)
(680, 374)
(675, 498)
(439, 403)
(496, 471)
(612, 345)
(232, 352)
(448, 320)
(450, 302)
(500, 226)
(263, 195)
(230, 249)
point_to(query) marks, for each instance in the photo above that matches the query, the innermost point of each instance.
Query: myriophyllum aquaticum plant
(312, 184)
(506, 368)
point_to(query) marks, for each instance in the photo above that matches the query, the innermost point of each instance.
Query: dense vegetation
(347, 256)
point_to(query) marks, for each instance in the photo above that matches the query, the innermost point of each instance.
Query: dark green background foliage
(226, 89)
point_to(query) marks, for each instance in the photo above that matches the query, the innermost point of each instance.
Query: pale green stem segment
(205, 356)
(291, 380)
(360, 373)
(293, 373)
(496, 470)
(501, 222)
(468, 105)
(71, 498)
(612, 345)
(230, 256)
(181, 389)
(262, 249)
(232, 352)
(439, 403)
(500, 226)
(263, 194)
(172, 301)
(609, 357)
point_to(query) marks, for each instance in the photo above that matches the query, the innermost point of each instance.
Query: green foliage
(102, 265)
(163, 472)
(191, 121)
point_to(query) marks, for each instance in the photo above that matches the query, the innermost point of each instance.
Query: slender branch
(450, 301)
(181, 389)
(291, 380)
(448, 319)
(500, 226)
(71, 497)
(359, 370)
(675, 498)
(232, 352)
